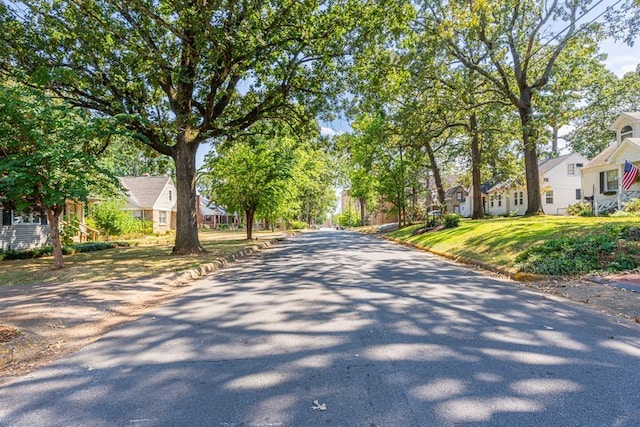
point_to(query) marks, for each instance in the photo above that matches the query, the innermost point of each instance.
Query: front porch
(607, 204)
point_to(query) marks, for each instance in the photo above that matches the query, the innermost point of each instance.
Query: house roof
(505, 185)
(143, 191)
(548, 164)
(208, 208)
(601, 159)
(452, 192)
(633, 116)
(633, 142)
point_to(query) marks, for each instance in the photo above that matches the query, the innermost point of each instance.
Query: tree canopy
(269, 174)
(45, 157)
(178, 74)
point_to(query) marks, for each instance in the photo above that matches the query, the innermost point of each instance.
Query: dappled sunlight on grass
(500, 240)
(145, 258)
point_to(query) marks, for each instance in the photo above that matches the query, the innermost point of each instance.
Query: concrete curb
(617, 284)
(28, 345)
(183, 277)
(514, 275)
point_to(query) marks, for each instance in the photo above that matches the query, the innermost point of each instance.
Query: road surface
(339, 329)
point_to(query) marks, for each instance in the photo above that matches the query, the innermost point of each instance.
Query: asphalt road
(375, 334)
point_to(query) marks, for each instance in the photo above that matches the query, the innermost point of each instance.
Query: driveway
(340, 329)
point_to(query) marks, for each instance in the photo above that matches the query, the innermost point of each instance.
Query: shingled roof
(143, 191)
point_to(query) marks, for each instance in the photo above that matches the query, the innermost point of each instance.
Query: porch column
(620, 173)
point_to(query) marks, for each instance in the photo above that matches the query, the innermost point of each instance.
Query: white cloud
(621, 58)
(326, 131)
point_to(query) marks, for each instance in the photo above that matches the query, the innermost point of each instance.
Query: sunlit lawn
(498, 241)
(149, 257)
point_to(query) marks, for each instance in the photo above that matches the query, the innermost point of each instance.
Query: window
(549, 197)
(170, 195)
(492, 198)
(626, 132)
(578, 194)
(545, 179)
(573, 169)
(499, 199)
(456, 209)
(459, 196)
(515, 198)
(611, 180)
(162, 217)
(522, 197)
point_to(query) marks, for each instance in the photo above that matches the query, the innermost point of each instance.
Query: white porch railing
(614, 202)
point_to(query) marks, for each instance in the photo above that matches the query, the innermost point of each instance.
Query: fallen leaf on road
(317, 406)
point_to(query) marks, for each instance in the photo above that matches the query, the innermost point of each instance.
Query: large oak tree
(516, 44)
(181, 73)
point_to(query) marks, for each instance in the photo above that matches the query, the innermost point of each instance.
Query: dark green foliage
(580, 209)
(11, 254)
(451, 220)
(611, 250)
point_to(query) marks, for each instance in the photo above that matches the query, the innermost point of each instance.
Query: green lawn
(146, 257)
(498, 241)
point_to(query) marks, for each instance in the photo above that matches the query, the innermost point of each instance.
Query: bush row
(617, 248)
(9, 254)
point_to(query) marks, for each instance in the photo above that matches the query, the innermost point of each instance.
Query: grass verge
(144, 258)
(499, 241)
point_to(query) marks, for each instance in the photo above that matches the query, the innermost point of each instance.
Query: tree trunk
(362, 211)
(184, 155)
(554, 139)
(476, 179)
(250, 214)
(532, 175)
(53, 217)
(435, 170)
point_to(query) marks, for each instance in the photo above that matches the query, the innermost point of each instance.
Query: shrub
(11, 254)
(297, 225)
(621, 214)
(451, 220)
(632, 207)
(576, 255)
(110, 218)
(580, 209)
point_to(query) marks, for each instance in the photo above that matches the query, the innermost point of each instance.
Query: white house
(152, 198)
(504, 197)
(602, 176)
(560, 184)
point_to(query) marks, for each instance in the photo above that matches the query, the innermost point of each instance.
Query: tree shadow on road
(380, 334)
